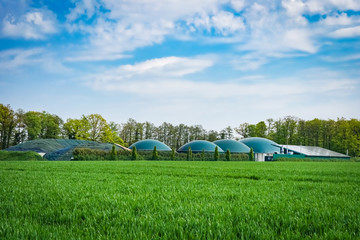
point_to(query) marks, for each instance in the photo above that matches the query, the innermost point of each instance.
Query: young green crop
(179, 200)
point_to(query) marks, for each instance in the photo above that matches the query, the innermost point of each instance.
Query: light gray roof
(313, 151)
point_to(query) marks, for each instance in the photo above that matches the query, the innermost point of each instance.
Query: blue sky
(216, 63)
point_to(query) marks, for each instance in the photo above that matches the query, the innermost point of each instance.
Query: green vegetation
(113, 153)
(155, 154)
(340, 135)
(228, 155)
(179, 200)
(86, 154)
(19, 156)
(251, 155)
(189, 154)
(134, 154)
(216, 154)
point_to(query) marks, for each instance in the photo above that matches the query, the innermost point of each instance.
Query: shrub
(133, 153)
(251, 155)
(155, 155)
(216, 154)
(113, 153)
(228, 155)
(189, 154)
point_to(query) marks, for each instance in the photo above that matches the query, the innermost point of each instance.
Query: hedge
(87, 154)
(19, 156)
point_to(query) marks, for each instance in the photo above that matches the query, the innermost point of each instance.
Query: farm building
(198, 146)
(266, 150)
(232, 145)
(149, 144)
(263, 148)
(309, 152)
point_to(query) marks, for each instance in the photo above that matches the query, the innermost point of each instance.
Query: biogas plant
(263, 149)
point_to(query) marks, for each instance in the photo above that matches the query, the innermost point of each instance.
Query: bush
(86, 154)
(19, 156)
(155, 155)
(113, 153)
(133, 153)
(216, 154)
(228, 155)
(189, 154)
(251, 155)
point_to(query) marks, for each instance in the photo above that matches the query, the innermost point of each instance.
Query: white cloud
(346, 32)
(36, 24)
(294, 7)
(351, 57)
(14, 58)
(226, 23)
(209, 103)
(95, 56)
(299, 39)
(238, 5)
(255, 26)
(37, 58)
(148, 71)
(85, 7)
(338, 19)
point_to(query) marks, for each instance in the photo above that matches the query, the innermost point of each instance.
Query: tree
(251, 155)
(128, 131)
(229, 133)
(139, 131)
(134, 153)
(260, 129)
(246, 130)
(20, 131)
(99, 129)
(270, 127)
(228, 155)
(115, 134)
(7, 125)
(32, 121)
(189, 154)
(216, 154)
(77, 128)
(149, 130)
(155, 155)
(50, 125)
(212, 136)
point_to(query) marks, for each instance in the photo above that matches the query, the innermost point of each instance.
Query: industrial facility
(264, 149)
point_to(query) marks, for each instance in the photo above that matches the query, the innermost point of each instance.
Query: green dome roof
(261, 145)
(233, 146)
(198, 146)
(149, 144)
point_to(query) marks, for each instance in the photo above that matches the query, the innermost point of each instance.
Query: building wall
(260, 157)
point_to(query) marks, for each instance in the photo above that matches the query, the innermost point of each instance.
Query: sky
(216, 63)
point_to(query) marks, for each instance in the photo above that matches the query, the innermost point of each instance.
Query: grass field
(179, 200)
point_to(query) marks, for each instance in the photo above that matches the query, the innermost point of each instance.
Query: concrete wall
(260, 157)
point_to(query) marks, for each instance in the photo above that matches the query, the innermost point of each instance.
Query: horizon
(212, 63)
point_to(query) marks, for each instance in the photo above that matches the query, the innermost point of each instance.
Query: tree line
(340, 135)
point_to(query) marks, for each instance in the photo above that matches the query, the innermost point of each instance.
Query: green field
(179, 200)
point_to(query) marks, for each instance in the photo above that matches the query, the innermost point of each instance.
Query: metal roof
(149, 144)
(312, 151)
(233, 146)
(261, 145)
(200, 145)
